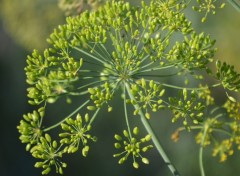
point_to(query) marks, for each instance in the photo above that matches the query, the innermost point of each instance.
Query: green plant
(131, 50)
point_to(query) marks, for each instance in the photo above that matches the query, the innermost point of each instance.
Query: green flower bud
(110, 109)
(135, 165)
(147, 115)
(117, 145)
(117, 137)
(48, 137)
(148, 137)
(91, 91)
(54, 144)
(85, 151)
(122, 160)
(91, 108)
(136, 131)
(145, 160)
(46, 171)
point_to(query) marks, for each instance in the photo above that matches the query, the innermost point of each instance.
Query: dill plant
(133, 50)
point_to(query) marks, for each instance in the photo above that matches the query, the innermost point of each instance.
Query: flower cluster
(233, 109)
(132, 146)
(76, 133)
(101, 97)
(186, 105)
(223, 133)
(49, 152)
(229, 78)
(46, 82)
(207, 6)
(147, 95)
(205, 136)
(30, 128)
(194, 53)
(204, 93)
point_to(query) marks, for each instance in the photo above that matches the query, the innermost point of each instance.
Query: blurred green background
(25, 25)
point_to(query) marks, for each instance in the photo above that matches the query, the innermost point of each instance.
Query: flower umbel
(76, 133)
(30, 127)
(49, 152)
(147, 96)
(132, 146)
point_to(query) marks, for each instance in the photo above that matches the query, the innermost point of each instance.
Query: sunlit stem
(235, 4)
(107, 54)
(150, 131)
(41, 119)
(90, 55)
(158, 68)
(201, 151)
(94, 116)
(70, 115)
(91, 84)
(156, 75)
(125, 112)
(189, 88)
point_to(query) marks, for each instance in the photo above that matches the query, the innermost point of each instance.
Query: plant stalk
(201, 152)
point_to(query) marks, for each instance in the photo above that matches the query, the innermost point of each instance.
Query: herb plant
(127, 52)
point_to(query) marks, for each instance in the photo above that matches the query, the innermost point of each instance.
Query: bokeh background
(25, 25)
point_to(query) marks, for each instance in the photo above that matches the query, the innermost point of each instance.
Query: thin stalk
(235, 4)
(155, 140)
(106, 53)
(189, 88)
(63, 80)
(41, 119)
(201, 152)
(94, 116)
(222, 131)
(157, 68)
(70, 115)
(90, 55)
(89, 71)
(125, 111)
(180, 129)
(90, 84)
(97, 53)
(78, 93)
(158, 76)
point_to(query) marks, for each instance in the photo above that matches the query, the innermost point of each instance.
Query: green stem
(91, 84)
(90, 55)
(194, 88)
(94, 116)
(235, 4)
(70, 115)
(157, 68)
(155, 140)
(125, 111)
(156, 76)
(201, 152)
